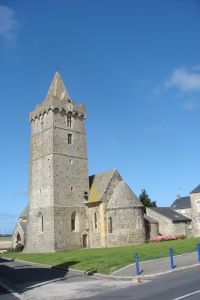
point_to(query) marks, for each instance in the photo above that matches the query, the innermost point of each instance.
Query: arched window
(73, 221)
(18, 241)
(40, 222)
(110, 225)
(95, 220)
(86, 196)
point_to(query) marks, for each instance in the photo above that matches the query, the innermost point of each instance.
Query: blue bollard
(137, 264)
(198, 250)
(171, 258)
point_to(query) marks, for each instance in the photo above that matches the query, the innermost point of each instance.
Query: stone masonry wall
(18, 230)
(127, 227)
(66, 237)
(195, 206)
(166, 226)
(94, 232)
(58, 178)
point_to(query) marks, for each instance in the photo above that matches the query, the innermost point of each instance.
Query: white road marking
(14, 293)
(187, 295)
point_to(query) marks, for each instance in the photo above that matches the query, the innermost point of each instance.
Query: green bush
(19, 248)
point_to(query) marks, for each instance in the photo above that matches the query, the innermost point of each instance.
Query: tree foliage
(145, 199)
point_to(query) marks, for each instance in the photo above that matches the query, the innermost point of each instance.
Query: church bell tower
(58, 178)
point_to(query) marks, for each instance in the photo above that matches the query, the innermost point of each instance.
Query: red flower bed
(166, 237)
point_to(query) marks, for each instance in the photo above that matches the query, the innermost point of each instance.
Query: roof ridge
(101, 173)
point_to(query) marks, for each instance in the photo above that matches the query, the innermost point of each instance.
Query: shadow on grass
(66, 265)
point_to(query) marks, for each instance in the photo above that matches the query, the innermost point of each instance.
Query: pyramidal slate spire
(57, 89)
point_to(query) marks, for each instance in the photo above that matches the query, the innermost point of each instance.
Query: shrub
(167, 237)
(10, 250)
(19, 248)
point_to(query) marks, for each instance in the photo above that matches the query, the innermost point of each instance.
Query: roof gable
(181, 203)
(123, 197)
(99, 183)
(196, 190)
(149, 219)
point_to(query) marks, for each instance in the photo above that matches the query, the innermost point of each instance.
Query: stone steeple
(58, 98)
(58, 180)
(57, 89)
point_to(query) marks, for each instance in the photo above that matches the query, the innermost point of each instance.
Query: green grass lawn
(107, 260)
(5, 238)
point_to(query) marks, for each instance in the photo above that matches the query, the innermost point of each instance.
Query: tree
(146, 201)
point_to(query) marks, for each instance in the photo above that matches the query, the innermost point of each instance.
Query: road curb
(104, 276)
(79, 272)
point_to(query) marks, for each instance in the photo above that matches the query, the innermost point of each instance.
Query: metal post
(137, 264)
(198, 250)
(171, 258)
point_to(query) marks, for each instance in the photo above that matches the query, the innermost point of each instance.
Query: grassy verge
(108, 260)
(5, 238)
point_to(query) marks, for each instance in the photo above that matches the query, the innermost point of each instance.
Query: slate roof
(98, 184)
(196, 190)
(123, 197)
(170, 214)
(150, 219)
(181, 203)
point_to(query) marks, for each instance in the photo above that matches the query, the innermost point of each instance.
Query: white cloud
(196, 68)
(184, 80)
(8, 24)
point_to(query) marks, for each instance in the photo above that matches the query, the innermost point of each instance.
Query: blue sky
(136, 66)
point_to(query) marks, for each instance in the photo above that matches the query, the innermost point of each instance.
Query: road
(6, 295)
(36, 282)
(175, 286)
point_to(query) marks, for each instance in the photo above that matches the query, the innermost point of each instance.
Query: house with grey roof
(195, 210)
(182, 205)
(190, 207)
(170, 221)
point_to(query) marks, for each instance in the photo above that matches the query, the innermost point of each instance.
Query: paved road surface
(39, 283)
(177, 286)
(6, 295)
(159, 265)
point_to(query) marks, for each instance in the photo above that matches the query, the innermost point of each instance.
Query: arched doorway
(18, 239)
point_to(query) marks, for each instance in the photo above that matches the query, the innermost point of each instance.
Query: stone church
(66, 208)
